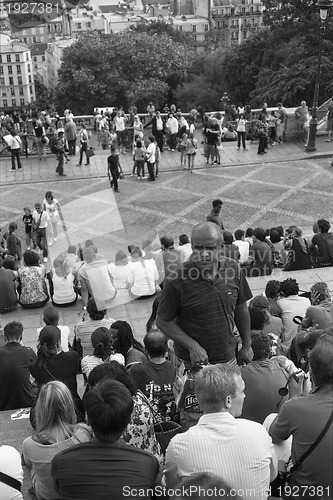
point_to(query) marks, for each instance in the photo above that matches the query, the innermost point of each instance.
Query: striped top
(237, 451)
(205, 308)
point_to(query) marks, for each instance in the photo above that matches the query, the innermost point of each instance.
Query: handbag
(164, 430)
(90, 152)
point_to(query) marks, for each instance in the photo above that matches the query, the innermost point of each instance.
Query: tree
(121, 69)
(161, 27)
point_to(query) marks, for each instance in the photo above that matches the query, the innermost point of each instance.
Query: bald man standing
(203, 304)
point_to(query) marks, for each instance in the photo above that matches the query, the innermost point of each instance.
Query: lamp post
(324, 6)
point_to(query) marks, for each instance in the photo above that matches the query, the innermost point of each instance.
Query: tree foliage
(121, 69)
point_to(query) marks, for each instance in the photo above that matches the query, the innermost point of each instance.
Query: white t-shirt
(63, 289)
(65, 337)
(51, 208)
(142, 277)
(151, 151)
(120, 123)
(10, 464)
(43, 220)
(120, 275)
(244, 247)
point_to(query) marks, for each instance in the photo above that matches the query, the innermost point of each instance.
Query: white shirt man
(243, 246)
(237, 451)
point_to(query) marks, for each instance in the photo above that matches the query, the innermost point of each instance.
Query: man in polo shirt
(40, 220)
(207, 297)
(214, 215)
(158, 130)
(305, 418)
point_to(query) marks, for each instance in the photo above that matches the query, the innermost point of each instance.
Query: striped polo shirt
(204, 309)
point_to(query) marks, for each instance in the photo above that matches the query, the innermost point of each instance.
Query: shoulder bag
(10, 481)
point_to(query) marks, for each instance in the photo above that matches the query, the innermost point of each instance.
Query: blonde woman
(56, 430)
(61, 281)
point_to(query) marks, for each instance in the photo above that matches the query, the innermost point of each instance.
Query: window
(17, 57)
(29, 79)
(8, 58)
(43, 58)
(88, 25)
(0, 58)
(194, 28)
(13, 102)
(25, 40)
(21, 102)
(232, 12)
(34, 39)
(2, 80)
(18, 69)
(31, 89)
(12, 91)
(194, 38)
(35, 58)
(59, 27)
(206, 27)
(52, 27)
(10, 70)
(5, 104)
(1, 70)
(27, 57)
(11, 80)
(29, 68)
(218, 25)
(180, 28)
(19, 80)
(21, 91)
(78, 25)
(244, 35)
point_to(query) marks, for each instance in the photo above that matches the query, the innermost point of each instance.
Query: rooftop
(38, 49)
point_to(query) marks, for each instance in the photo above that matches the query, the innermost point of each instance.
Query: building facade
(16, 74)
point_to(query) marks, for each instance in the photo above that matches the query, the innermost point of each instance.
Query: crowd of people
(224, 389)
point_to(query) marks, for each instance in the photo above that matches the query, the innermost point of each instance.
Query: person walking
(241, 131)
(70, 133)
(14, 142)
(84, 144)
(113, 169)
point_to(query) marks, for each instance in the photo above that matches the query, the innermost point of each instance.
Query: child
(27, 221)
(191, 146)
(139, 160)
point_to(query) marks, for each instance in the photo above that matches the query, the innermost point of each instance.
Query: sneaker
(132, 175)
(207, 161)
(116, 191)
(45, 259)
(20, 168)
(238, 149)
(12, 170)
(78, 165)
(327, 140)
(143, 178)
(50, 243)
(139, 178)
(55, 239)
(172, 149)
(86, 164)
(63, 175)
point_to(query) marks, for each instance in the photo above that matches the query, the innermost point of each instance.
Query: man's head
(109, 407)
(323, 225)
(272, 289)
(183, 239)
(89, 255)
(206, 242)
(319, 292)
(93, 312)
(13, 331)
(259, 234)
(321, 361)
(227, 238)
(289, 287)
(156, 344)
(239, 234)
(217, 205)
(167, 242)
(220, 388)
(261, 345)
(38, 207)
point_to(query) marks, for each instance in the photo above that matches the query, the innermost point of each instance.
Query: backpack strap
(10, 481)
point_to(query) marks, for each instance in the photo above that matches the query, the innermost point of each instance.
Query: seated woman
(125, 344)
(54, 364)
(143, 277)
(320, 314)
(298, 251)
(56, 430)
(61, 281)
(140, 431)
(32, 287)
(120, 271)
(51, 317)
(101, 340)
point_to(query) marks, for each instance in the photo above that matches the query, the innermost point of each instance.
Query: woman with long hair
(140, 431)
(298, 251)
(120, 271)
(56, 430)
(143, 276)
(51, 317)
(54, 364)
(101, 340)
(126, 344)
(61, 281)
(52, 207)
